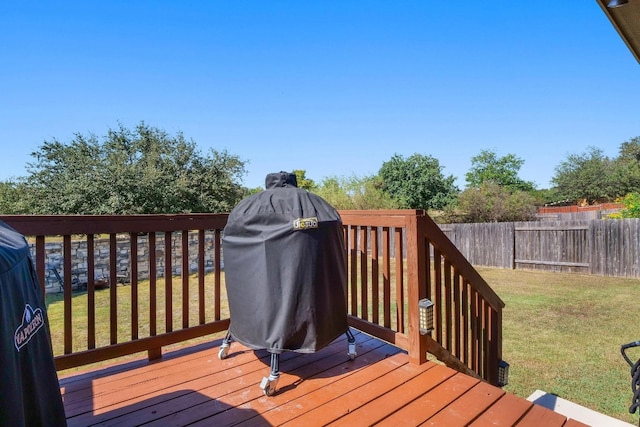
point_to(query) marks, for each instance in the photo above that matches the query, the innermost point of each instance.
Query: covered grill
(285, 273)
(29, 388)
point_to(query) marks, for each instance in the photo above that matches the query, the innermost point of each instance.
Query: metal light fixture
(616, 3)
(503, 373)
(425, 312)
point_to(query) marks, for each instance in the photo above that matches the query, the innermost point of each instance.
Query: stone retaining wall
(54, 258)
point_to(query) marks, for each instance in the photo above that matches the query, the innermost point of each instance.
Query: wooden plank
(560, 263)
(555, 228)
(430, 403)
(133, 279)
(168, 286)
(400, 312)
(218, 268)
(541, 416)
(364, 274)
(468, 407)
(48, 225)
(438, 322)
(362, 388)
(386, 274)
(375, 276)
(507, 411)
(399, 401)
(142, 344)
(147, 401)
(153, 298)
(353, 277)
(117, 396)
(91, 293)
(191, 386)
(315, 391)
(574, 423)
(201, 277)
(68, 323)
(113, 290)
(466, 315)
(448, 311)
(457, 313)
(94, 379)
(243, 400)
(184, 270)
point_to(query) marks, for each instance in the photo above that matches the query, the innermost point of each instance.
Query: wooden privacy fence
(608, 247)
(383, 290)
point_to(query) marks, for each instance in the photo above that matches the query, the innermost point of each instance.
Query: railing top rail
(379, 218)
(47, 225)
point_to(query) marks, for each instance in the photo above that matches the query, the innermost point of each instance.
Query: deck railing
(414, 260)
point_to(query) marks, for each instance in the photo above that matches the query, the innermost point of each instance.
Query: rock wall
(54, 258)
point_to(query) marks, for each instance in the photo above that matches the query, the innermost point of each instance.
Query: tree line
(145, 170)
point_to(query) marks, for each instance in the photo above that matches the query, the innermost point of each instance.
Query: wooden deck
(191, 386)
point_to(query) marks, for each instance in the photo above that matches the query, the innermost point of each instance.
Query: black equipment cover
(29, 388)
(285, 269)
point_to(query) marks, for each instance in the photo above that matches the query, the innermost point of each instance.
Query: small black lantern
(503, 373)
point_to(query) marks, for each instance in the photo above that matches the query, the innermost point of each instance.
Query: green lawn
(55, 310)
(562, 334)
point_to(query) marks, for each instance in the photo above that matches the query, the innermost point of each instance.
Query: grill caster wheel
(268, 386)
(352, 351)
(223, 352)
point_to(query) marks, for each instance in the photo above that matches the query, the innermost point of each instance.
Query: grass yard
(55, 311)
(562, 334)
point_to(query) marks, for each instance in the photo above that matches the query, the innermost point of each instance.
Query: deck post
(416, 283)
(154, 353)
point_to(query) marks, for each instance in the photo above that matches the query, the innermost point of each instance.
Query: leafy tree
(631, 209)
(488, 167)
(417, 182)
(589, 176)
(353, 192)
(630, 150)
(11, 202)
(626, 167)
(491, 202)
(144, 170)
(304, 182)
(251, 191)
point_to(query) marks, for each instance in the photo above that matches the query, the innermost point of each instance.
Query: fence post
(416, 281)
(513, 245)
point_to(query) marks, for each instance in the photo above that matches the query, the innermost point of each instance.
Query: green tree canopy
(11, 202)
(590, 176)
(417, 182)
(355, 193)
(627, 167)
(491, 202)
(304, 182)
(488, 167)
(137, 171)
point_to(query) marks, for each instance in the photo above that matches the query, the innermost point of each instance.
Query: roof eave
(626, 21)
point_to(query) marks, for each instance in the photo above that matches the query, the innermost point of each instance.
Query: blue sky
(332, 87)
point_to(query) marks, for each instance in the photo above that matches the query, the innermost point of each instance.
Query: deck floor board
(192, 386)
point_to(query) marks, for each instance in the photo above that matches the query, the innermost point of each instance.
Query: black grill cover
(285, 269)
(29, 388)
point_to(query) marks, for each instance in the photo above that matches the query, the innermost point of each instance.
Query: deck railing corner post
(416, 281)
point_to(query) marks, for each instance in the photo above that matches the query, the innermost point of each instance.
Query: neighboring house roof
(626, 21)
